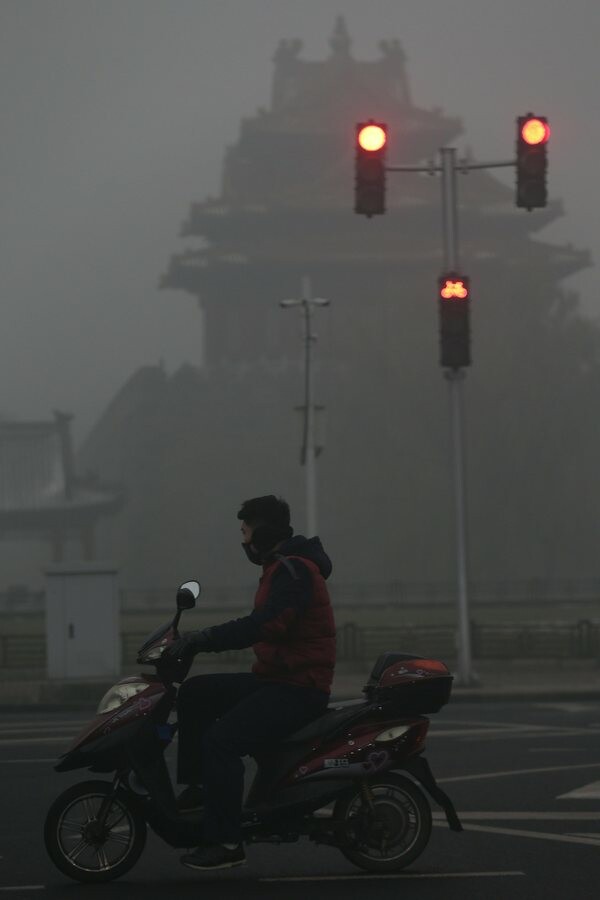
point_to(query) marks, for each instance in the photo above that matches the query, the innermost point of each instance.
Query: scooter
(355, 778)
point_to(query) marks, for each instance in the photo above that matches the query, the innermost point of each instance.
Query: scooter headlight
(391, 734)
(118, 695)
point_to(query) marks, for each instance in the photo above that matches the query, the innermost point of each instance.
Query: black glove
(189, 644)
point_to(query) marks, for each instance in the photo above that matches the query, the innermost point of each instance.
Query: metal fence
(397, 593)
(580, 640)
(20, 599)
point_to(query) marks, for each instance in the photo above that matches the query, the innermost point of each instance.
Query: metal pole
(455, 380)
(449, 209)
(309, 441)
(309, 450)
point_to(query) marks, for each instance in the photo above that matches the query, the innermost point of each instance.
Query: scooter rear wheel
(82, 850)
(394, 835)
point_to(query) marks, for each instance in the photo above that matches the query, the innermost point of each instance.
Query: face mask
(252, 555)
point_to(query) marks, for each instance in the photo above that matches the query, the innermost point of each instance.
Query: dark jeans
(223, 718)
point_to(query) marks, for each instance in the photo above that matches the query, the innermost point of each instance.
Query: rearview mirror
(187, 595)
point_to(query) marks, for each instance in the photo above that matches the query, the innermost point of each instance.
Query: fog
(116, 115)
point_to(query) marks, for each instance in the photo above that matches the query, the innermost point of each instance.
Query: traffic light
(532, 161)
(454, 301)
(371, 146)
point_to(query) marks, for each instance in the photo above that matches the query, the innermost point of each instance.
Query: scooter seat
(335, 716)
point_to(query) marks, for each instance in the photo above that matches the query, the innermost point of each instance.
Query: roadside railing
(363, 644)
(405, 594)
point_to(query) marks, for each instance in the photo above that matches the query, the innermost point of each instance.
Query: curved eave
(196, 277)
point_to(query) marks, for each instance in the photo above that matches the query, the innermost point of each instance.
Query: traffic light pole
(309, 448)
(533, 133)
(455, 380)
(448, 168)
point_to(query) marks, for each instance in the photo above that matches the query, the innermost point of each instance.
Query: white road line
(367, 877)
(63, 738)
(505, 735)
(487, 723)
(523, 726)
(533, 816)
(49, 759)
(517, 832)
(36, 729)
(586, 792)
(25, 887)
(50, 723)
(556, 749)
(483, 775)
(464, 732)
(566, 707)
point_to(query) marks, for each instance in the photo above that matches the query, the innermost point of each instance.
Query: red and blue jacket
(291, 628)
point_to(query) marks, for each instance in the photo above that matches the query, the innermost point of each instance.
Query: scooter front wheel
(391, 834)
(80, 847)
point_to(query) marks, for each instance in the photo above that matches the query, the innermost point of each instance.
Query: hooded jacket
(291, 628)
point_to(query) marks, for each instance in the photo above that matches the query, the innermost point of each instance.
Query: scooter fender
(418, 767)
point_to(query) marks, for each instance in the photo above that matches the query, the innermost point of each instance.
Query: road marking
(507, 733)
(63, 738)
(516, 832)
(50, 759)
(567, 707)
(25, 887)
(484, 775)
(494, 723)
(556, 749)
(30, 725)
(587, 792)
(534, 816)
(521, 735)
(365, 877)
(472, 732)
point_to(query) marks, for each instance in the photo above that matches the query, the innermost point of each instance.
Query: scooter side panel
(356, 755)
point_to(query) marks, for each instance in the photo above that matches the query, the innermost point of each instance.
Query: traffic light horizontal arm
(461, 166)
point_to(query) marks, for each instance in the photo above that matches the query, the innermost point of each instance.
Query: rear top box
(413, 684)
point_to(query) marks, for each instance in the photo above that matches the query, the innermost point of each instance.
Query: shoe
(215, 856)
(190, 799)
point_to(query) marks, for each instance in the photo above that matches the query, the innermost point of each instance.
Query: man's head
(265, 523)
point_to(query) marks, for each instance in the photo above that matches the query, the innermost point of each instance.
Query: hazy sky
(115, 115)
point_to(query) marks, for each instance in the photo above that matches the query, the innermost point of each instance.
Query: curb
(49, 697)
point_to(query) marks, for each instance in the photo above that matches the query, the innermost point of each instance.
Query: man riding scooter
(225, 717)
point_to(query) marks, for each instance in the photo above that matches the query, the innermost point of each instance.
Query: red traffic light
(455, 333)
(372, 137)
(369, 168)
(454, 288)
(535, 131)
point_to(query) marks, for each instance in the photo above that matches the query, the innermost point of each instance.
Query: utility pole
(455, 378)
(309, 448)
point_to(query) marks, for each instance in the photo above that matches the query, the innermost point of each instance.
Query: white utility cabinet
(82, 621)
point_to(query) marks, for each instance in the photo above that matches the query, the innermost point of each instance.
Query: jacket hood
(308, 548)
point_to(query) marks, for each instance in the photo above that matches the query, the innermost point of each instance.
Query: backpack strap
(285, 562)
